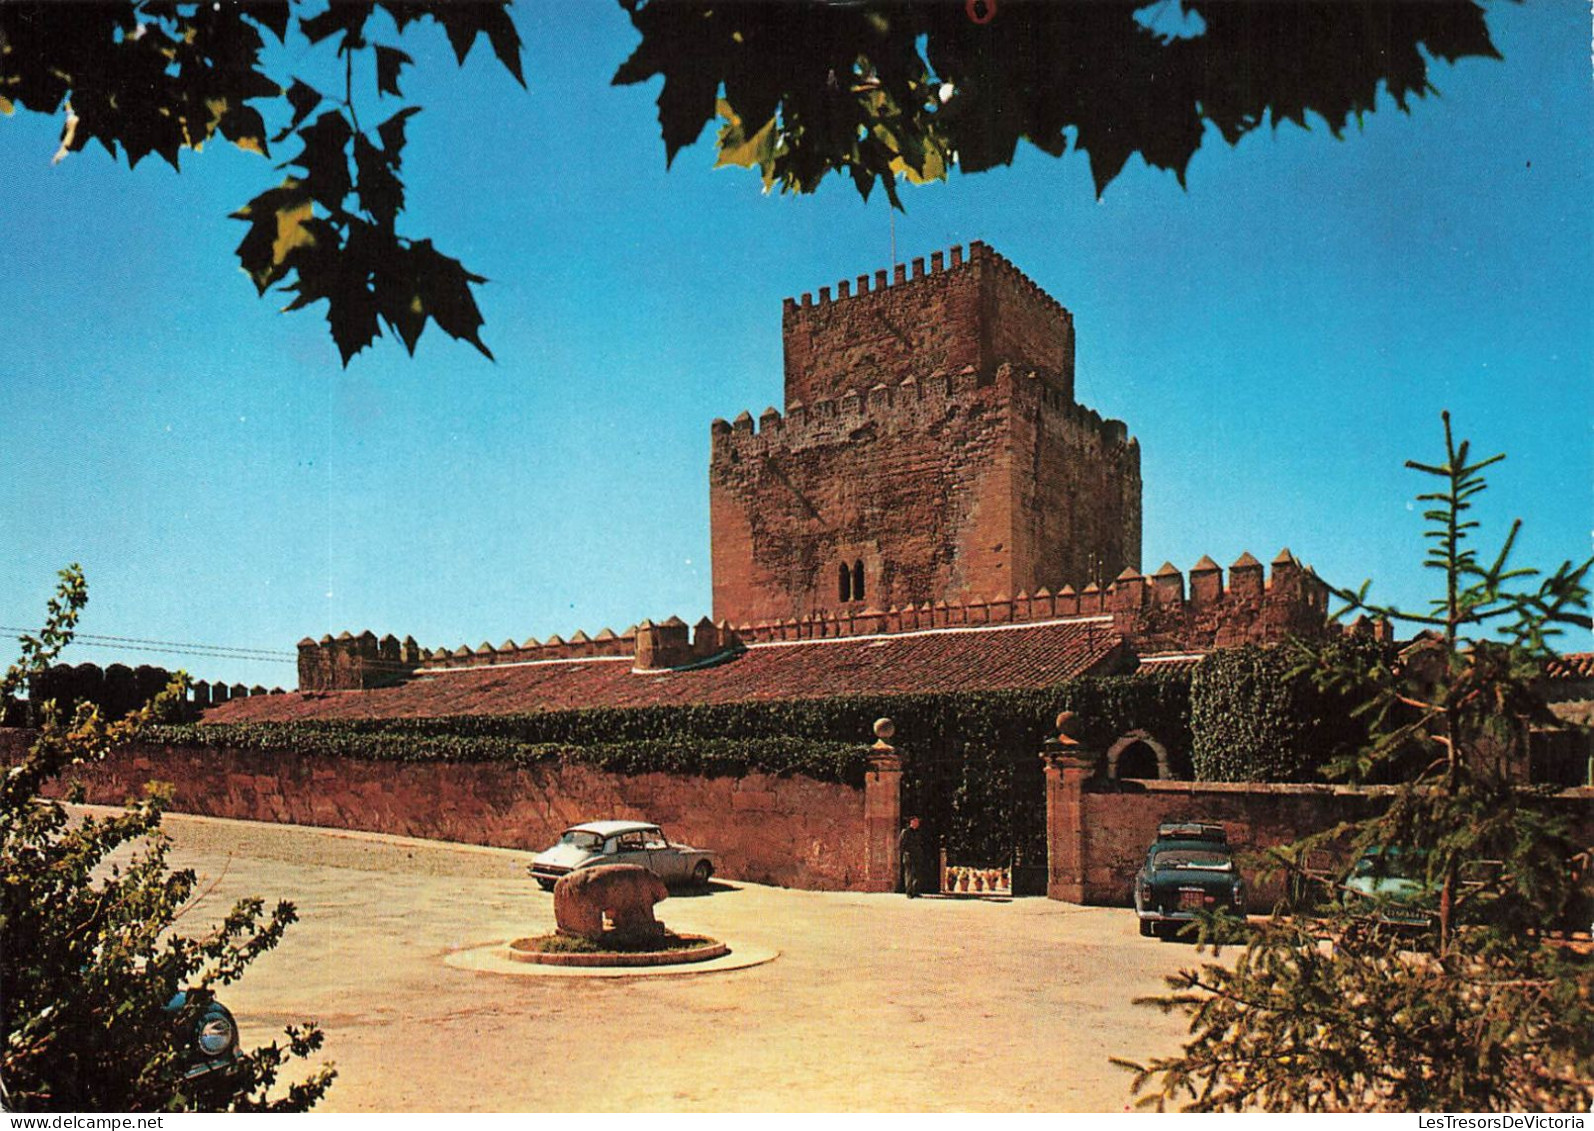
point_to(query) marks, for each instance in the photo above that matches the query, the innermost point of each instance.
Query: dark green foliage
(88, 956)
(879, 88)
(620, 944)
(141, 77)
(672, 754)
(1256, 716)
(871, 90)
(1484, 1011)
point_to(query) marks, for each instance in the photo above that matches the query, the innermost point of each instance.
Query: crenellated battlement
(914, 404)
(349, 662)
(930, 445)
(1155, 614)
(531, 650)
(939, 263)
(883, 280)
(972, 314)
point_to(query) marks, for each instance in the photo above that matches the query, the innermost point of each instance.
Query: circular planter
(705, 948)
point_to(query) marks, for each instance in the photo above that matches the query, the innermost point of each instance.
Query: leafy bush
(88, 957)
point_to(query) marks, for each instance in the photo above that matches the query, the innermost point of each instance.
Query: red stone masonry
(974, 657)
(967, 314)
(931, 470)
(930, 445)
(901, 649)
(789, 830)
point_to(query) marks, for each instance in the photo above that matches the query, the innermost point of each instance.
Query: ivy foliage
(145, 78)
(89, 959)
(880, 88)
(685, 754)
(1256, 716)
(1483, 1010)
(971, 759)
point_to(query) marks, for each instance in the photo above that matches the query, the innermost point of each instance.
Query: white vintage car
(622, 842)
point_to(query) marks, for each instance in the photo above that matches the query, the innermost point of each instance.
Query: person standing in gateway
(910, 848)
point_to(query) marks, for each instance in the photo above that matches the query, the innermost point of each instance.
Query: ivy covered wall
(971, 771)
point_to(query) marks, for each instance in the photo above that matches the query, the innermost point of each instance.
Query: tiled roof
(943, 659)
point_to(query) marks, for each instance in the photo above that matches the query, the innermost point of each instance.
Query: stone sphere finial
(884, 729)
(1068, 726)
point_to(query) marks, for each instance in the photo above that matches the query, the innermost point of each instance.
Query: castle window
(843, 582)
(857, 581)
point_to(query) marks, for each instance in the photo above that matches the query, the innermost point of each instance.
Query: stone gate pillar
(1069, 765)
(882, 811)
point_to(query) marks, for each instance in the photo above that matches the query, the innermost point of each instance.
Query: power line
(139, 644)
(190, 648)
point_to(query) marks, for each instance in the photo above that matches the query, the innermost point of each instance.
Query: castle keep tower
(931, 450)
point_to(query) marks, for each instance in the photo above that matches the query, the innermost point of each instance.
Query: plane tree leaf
(140, 77)
(389, 61)
(882, 88)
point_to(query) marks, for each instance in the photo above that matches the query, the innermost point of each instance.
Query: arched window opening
(844, 582)
(1138, 760)
(1138, 754)
(857, 581)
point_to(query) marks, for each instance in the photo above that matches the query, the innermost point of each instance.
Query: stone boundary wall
(790, 831)
(1117, 825)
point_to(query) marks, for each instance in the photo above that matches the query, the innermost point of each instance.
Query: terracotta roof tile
(974, 658)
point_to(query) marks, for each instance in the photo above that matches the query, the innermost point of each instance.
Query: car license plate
(1191, 899)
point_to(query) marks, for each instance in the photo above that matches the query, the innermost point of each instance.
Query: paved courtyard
(875, 1003)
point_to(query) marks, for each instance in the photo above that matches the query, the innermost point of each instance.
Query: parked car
(622, 842)
(1189, 869)
(1389, 884)
(207, 1035)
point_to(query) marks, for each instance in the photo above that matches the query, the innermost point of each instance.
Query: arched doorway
(1138, 755)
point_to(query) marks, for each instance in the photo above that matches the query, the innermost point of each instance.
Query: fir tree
(1340, 1010)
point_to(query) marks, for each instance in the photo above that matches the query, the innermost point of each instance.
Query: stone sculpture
(625, 893)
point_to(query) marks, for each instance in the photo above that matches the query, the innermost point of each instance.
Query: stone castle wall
(914, 482)
(1117, 825)
(792, 831)
(1155, 614)
(969, 314)
(931, 468)
(930, 444)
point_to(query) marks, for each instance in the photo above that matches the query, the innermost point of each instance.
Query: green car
(1189, 869)
(1390, 885)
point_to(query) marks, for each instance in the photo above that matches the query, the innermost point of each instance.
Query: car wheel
(545, 885)
(1146, 928)
(701, 873)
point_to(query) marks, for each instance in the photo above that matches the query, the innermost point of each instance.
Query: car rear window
(1192, 858)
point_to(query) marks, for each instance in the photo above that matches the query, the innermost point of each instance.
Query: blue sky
(1280, 337)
